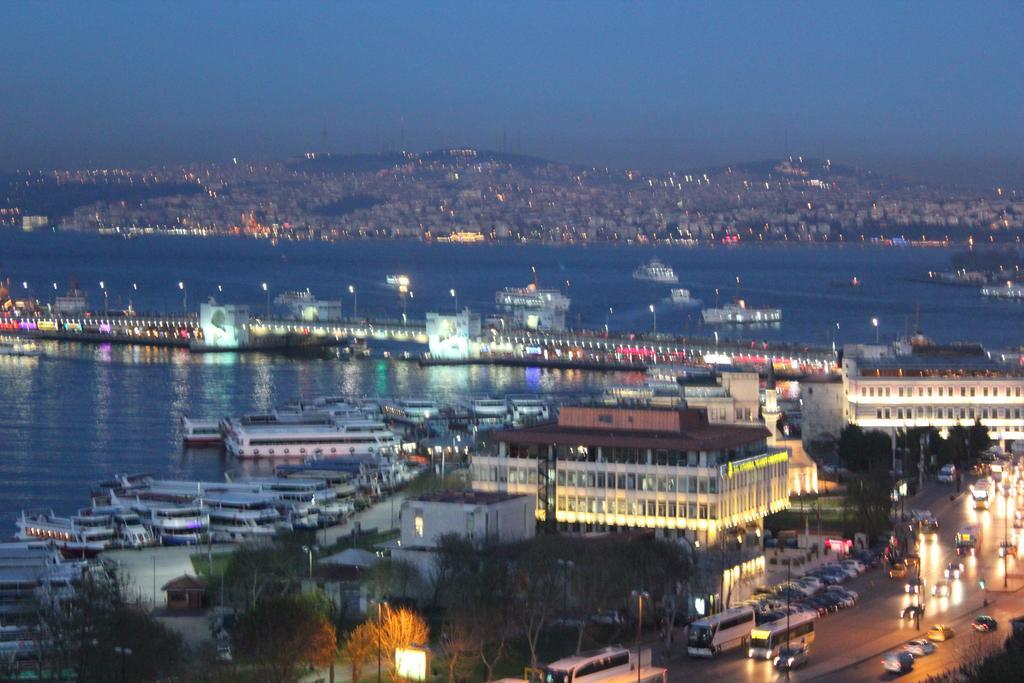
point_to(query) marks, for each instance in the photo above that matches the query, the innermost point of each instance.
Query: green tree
(283, 633)
(864, 451)
(869, 499)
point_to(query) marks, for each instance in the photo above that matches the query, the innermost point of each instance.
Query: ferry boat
(415, 410)
(307, 503)
(241, 516)
(399, 282)
(740, 314)
(655, 271)
(173, 519)
(1010, 291)
(852, 283)
(200, 432)
(78, 536)
(533, 308)
(528, 410)
(485, 408)
(128, 527)
(681, 297)
(361, 438)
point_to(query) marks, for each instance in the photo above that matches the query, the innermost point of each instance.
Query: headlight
(750, 652)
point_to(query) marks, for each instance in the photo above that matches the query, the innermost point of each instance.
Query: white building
(728, 398)
(614, 469)
(453, 336)
(533, 308)
(822, 407)
(924, 385)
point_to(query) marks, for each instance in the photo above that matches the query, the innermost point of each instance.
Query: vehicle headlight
(750, 652)
(790, 661)
(768, 656)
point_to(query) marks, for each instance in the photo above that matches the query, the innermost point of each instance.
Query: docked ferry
(354, 438)
(740, 314)
(655, 271)
(77, 536)
(200, 432)
(681, 297)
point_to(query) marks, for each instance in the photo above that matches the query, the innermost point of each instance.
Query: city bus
(720, 632)
(767, 639)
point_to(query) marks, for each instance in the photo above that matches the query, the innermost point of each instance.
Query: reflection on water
(84, 412)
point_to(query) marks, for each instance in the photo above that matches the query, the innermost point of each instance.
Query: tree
(457, 640)
(862, 451)
(282, 633)
(535, 577)
(454, 556)
(395, 578)
(869, 498)
(360, 647)
(399, 627)
(80, 634)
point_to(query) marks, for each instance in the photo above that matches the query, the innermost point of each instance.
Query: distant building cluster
(468, 196)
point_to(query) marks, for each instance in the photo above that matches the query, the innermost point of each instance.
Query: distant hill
(44, 196)
(368, 163)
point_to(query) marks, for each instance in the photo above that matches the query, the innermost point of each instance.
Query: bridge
(222, 328)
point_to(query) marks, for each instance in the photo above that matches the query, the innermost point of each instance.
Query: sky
(933, 87)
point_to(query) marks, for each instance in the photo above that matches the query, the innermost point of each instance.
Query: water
(85, 412)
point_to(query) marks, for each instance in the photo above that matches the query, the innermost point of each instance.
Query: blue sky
(630, 84)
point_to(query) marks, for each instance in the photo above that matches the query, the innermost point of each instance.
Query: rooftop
(466, 497)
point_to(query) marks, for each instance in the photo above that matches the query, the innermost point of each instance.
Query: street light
(266, 291)
(355, 301)
(874, 322)
(654, 314)
(640, 597)
(456, 297)
(607, 318)
(184, 297)
(103, 286)
(309, 551)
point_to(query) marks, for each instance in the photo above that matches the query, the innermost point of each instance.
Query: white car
(848, 569)
(920, 647)
(856, 564)
(812, 580)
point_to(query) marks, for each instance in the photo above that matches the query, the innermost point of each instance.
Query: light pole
(184, 297)
(266, 290)
(1006, 547)
(607, 319)
(640, 597)
(654, 315)
(309, 551)
(103, 287)
(355, 301)
(874, 323)
(135, 289)
(124, 652)
(455, 296)
(567, 566)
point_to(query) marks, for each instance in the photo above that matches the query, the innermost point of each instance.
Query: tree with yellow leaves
(399, 627)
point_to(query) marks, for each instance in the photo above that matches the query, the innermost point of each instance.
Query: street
(849, 645)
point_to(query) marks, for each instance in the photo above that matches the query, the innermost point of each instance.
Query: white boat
(76, 536)
(740, 314)
(410, 409)
(241, 516)
(361, 438)
(681, 297)
(399, 282)
(173, 519)
(129, 530)
(655, 271)
(200, 432)
(485, 408)
(528, 410)
(1010, 291)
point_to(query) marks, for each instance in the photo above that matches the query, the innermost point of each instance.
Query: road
(849, 645)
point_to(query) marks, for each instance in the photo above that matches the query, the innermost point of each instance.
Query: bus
(595, 665)
(711, 636)
(767, 639)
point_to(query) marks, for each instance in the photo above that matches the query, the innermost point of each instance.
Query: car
(791, 657)
(984, 624)
(897, 571)
(920, 647)
(610, 616)
(898, 662)
(911, 611)
(830, 602)
(850, 571)
(844, 599)
(947, 475)
(953, 570)
(1007, 548)
(912, 560)
(941, 589)
(224, 653)
(842, 590)
(914, 586)
(856, 564)
(812, 581)
(939, 633)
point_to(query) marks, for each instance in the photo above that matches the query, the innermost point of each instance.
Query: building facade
(602, 469)
(822, 408)
(920, 384)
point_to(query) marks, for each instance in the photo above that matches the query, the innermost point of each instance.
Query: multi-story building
(533, 308)
(921, 384)
(728, 397)
(614, 469)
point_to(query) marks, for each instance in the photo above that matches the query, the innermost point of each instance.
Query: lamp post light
(455, 296)
(184, 297)
(640, 597)
(874, 323)
(654, 315)
(355, 301)
(607, 319)
(266, 290)
(309, 551)
(106, 300)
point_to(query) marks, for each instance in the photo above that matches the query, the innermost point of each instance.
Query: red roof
(185, 582)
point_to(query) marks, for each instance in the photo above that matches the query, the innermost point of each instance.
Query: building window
(600, 480)
(418, 523)
(670, 484)
(692, 511)
(631, 482)
(561, 477)
(713, 511)
(702, 485)
(671, 512)
(621, 482)
(712, 485)
(693, 484)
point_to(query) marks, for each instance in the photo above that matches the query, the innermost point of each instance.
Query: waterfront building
(728, 397)
(449, 336)
(920, 384)
(305, 307)
(600, 469)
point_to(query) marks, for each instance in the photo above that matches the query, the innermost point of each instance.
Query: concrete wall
(507, 521)
(823, 408)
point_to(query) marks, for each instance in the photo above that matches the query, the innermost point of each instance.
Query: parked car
(845, 600)
(842, 590)
(609, 616)
(791, 657)
(940, 633)
(984, 624)
(920, 647)
(947, 475)
(856, 564)
(812, 580)
(898, 662)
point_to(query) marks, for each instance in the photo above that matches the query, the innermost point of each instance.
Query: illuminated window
(419, 525)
